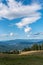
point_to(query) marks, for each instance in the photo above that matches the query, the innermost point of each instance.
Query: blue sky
(21, 19)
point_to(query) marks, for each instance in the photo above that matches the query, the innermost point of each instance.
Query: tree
(41, 46)
(34, 47)
(26, 49)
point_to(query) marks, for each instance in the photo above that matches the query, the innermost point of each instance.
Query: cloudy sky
(21, 19)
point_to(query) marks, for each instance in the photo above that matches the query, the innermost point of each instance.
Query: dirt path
(29, 52)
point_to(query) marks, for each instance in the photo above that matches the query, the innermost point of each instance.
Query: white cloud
(38, 35)
(8, 35)
(27, 21)
(11, 34)
(17, 10)
(27, 29)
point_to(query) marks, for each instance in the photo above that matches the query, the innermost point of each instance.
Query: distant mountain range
(18, 44)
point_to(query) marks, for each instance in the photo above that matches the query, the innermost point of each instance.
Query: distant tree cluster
(12, 52)
(34, 47)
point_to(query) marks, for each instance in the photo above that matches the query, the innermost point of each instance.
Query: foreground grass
(11, 59)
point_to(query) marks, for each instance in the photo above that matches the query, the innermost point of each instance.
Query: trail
(30, 52)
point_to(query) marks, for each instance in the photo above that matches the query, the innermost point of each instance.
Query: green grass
(11, 59)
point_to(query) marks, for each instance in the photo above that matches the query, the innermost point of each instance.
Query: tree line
(34, 47)
(31, 48)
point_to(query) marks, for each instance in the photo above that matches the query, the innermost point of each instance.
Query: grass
(11, 59)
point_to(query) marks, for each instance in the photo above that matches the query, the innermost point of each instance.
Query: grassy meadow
(31, 59)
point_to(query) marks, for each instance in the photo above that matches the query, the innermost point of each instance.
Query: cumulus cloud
(14, 9)
(27, 21)
(17, 10)
(11, 34)
(27, 29)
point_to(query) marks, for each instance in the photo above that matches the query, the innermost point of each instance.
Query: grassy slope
(33, 59)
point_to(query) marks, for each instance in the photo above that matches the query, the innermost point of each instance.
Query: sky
(21, 19)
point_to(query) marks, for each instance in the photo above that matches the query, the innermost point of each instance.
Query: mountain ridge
(18, 44)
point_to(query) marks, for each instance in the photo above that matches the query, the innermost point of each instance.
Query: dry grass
(30, 52)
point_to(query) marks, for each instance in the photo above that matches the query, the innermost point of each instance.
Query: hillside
(18, 44)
